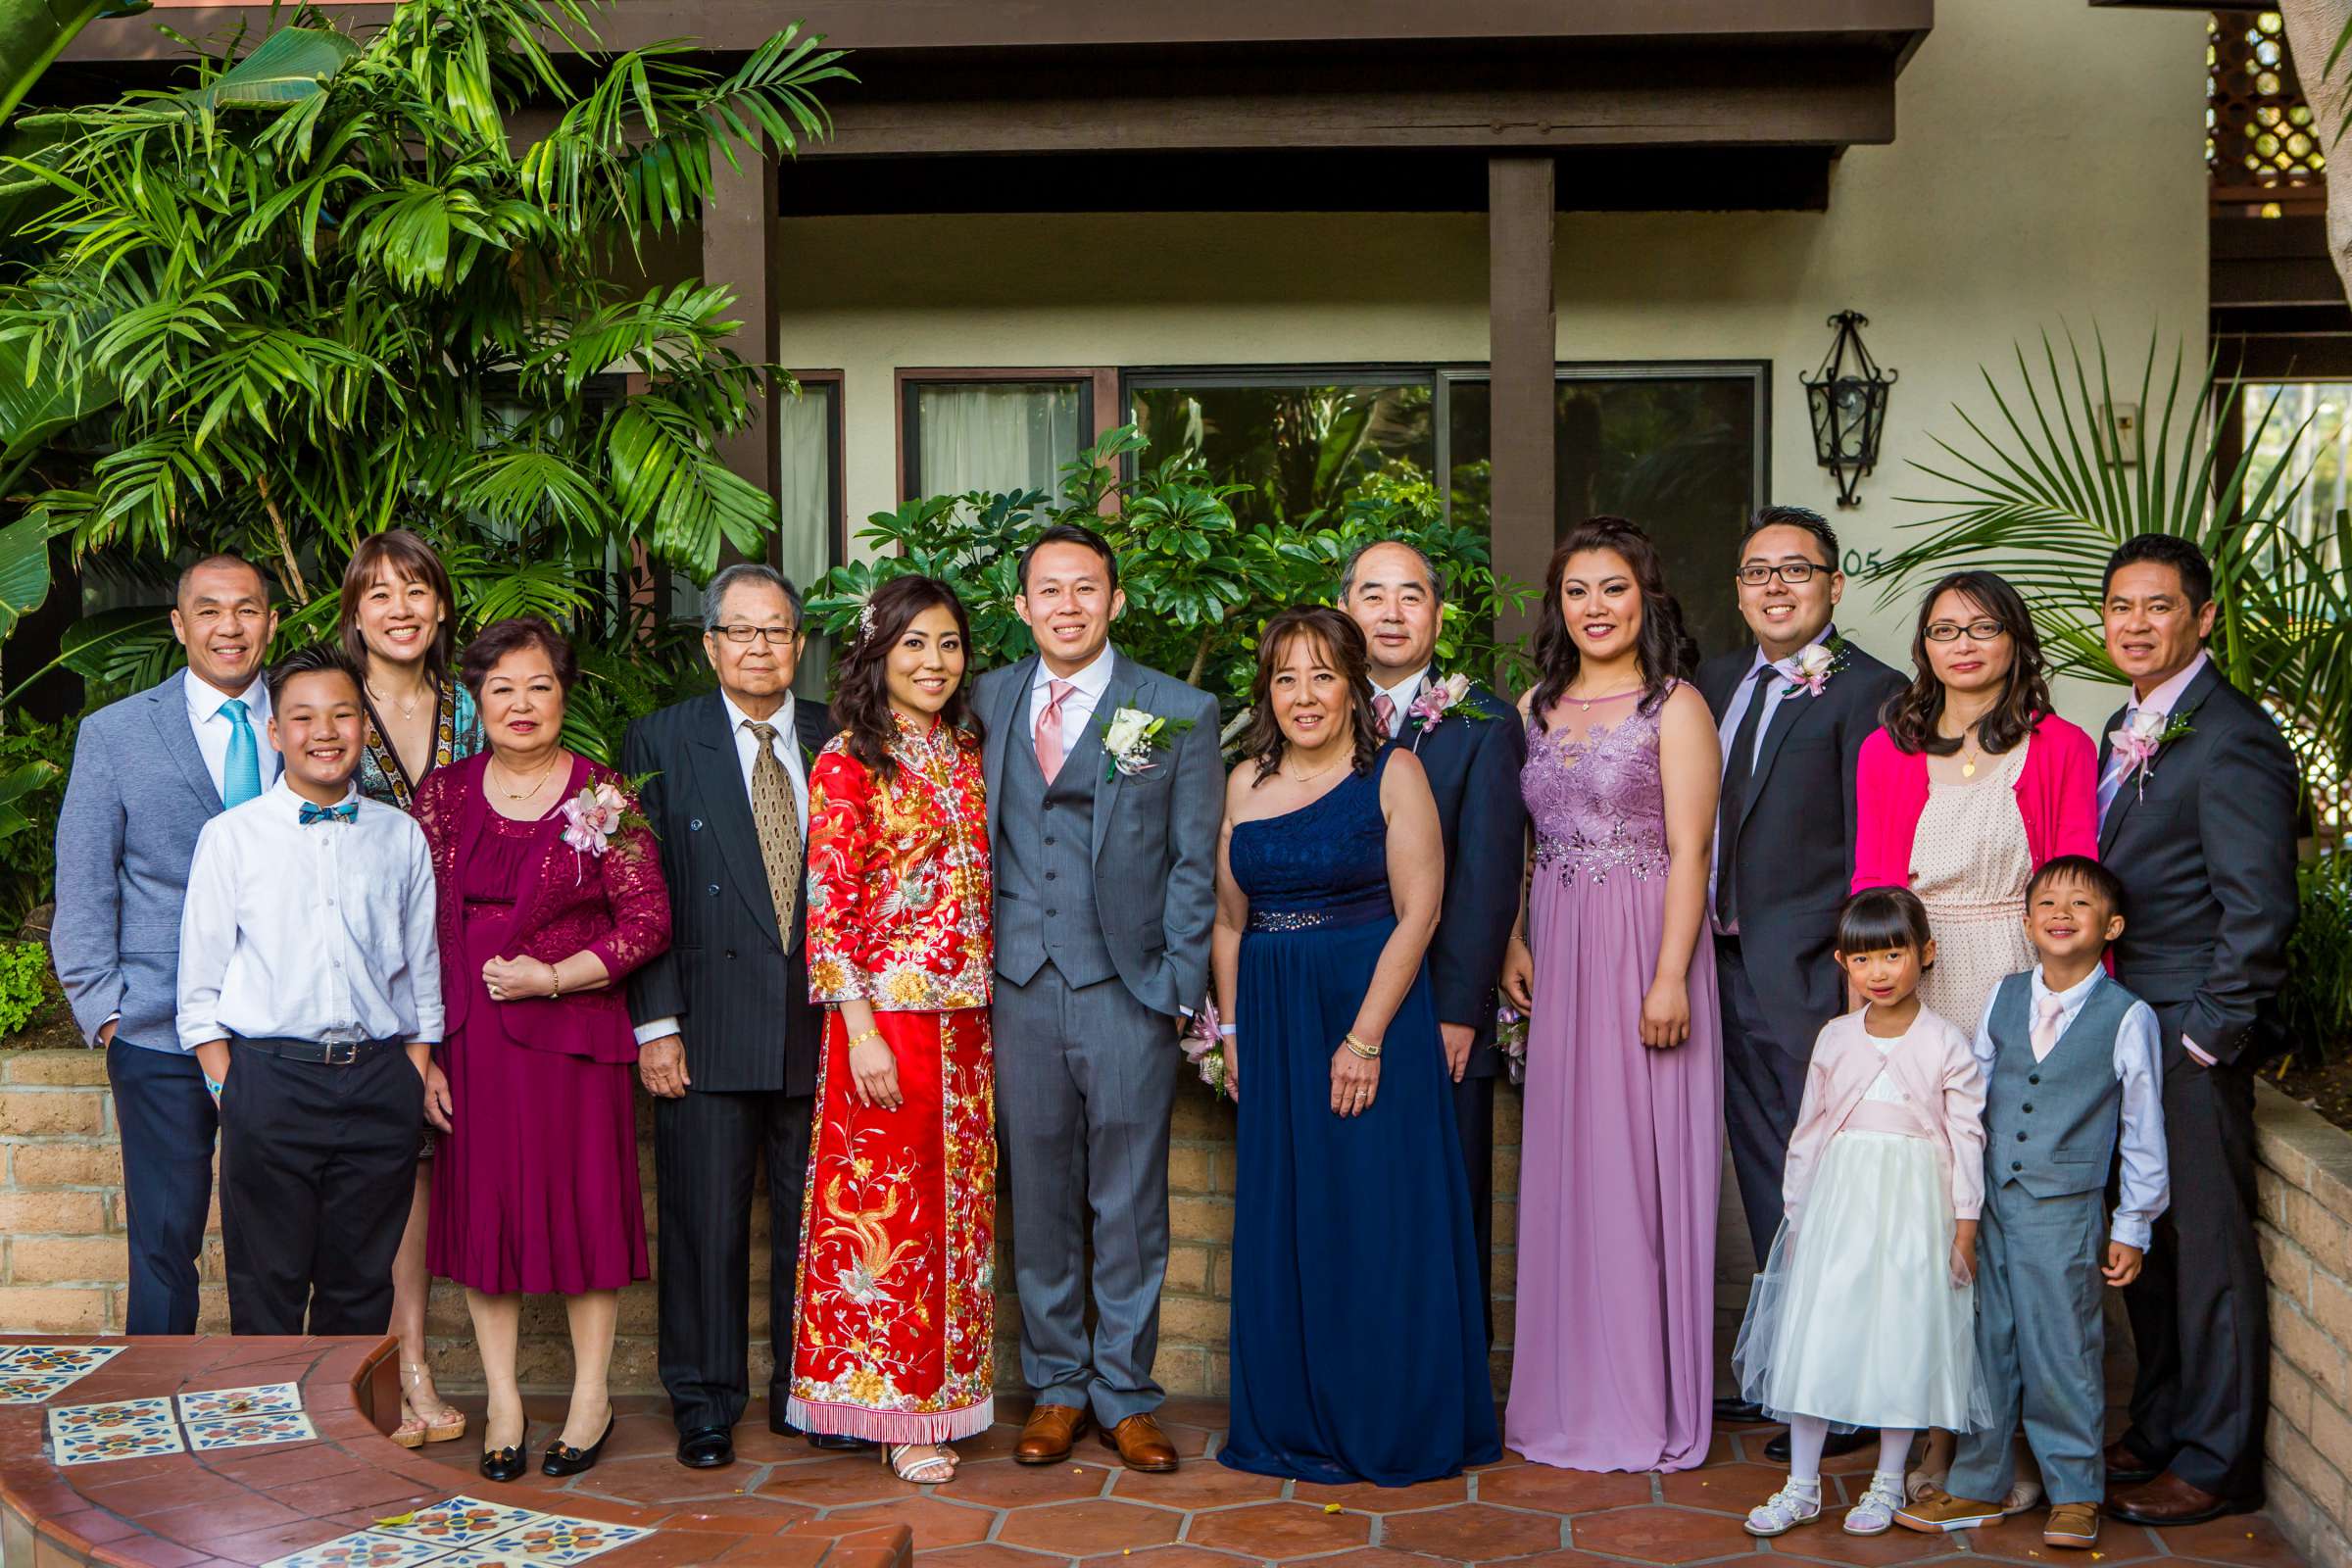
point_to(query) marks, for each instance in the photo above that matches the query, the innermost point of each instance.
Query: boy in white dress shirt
(309, 991)
(2074, 1086)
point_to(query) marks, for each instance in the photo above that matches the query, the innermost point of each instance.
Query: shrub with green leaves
(2315, 1006)
(24, 983)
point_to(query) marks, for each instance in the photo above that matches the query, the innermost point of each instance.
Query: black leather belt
(337, 1053)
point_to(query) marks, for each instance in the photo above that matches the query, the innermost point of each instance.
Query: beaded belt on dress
(1597, 857)
(1327, 916)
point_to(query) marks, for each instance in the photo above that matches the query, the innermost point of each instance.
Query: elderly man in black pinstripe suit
(727, 1038)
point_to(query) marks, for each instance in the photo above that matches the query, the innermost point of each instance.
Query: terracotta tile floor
(997, 1514)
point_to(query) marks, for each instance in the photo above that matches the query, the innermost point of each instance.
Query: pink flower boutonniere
(2137, 743)
(1440, 700)
(1204, 1048)
(1809, 669)
(1510, 1038)
(592, 816)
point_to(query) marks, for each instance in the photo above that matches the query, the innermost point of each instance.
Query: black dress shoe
(563, 1460)
(1840, 1442)
(509, 1464)
(706, 1449)
(823, 1442)
(1733, 1410)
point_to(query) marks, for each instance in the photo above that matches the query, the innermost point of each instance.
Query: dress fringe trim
(890, 1426)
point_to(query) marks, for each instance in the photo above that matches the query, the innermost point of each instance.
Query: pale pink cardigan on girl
(2057, 794)
(1935, 1068)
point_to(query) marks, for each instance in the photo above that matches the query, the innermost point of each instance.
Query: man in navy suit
(1784, 847)
(1472, 749)
(149, 772)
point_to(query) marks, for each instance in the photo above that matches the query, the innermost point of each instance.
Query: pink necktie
(1048, 728)
(1384, 709)
(2046, 1013)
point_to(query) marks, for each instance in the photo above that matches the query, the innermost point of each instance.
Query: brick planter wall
(63, 1257)
(2306, 1231)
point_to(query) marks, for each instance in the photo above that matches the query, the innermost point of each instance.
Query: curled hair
(402, 556)
(1343, 650)
(513, 635)
(861, 680)
(1664, 652)
(1876, 920)
(1912, 714)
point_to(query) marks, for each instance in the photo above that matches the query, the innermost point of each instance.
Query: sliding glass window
(994, 434)
(1304, 440)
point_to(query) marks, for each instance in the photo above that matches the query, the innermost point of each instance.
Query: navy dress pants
(166, 1118)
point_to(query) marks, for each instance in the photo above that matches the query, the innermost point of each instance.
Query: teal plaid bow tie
(348, 811)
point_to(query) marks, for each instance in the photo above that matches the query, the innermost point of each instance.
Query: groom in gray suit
(1105, 866)
(149, 772)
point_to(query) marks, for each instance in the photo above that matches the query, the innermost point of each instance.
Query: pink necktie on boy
(2047, 1027)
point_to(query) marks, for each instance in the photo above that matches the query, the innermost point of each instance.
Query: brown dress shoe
(2125, 1466)
(1142, 1444)
(2168, 1500)
(1047, 1436)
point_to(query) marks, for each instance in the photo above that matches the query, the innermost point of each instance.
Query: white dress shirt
(1734, 713)
(2163, 700)
(2146, 1188)
(1087, 688)
(213, 729)
(1403, 696)
(322, 933)
(787, 747)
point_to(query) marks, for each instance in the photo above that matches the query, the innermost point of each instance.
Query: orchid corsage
(2140, 737)
(1204, 1048)
(1510, 1038)
(1809, 669)
(1132, 736)
(594, 817)
(1440, 700)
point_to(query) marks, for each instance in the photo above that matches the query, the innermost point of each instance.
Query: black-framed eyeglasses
(1983, 631)
(1791, 572)
(767, 634)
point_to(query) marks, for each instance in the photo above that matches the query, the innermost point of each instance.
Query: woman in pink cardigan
(1971, 785)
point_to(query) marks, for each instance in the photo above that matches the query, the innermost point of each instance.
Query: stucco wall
(2047, 172)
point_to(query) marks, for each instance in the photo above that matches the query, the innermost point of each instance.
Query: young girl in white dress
(1864, 1315)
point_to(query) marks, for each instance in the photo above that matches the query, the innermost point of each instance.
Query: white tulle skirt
(1857, 1321)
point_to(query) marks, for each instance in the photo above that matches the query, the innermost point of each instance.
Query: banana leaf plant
(2036, 492)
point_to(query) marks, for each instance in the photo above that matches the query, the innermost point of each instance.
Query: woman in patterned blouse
(896, 1310)
(398, 620)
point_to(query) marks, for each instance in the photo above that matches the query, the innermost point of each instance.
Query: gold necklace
(408, 710)
(1585, 704)
(537, 784)
(1309, 778)
(1970, 752)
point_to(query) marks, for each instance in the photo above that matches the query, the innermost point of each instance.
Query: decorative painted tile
(246, 1431)
(544, 1541)
(463, 1521)
(362, 1548)
(74, 1358)
(118, 1415)
(93, 1444)
(32, 1388)
(263, 1399)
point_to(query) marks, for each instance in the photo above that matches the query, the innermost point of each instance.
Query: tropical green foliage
(2036, 495)
(24, 983)
(32, 786)
(2315, 1005)
(1199, 584)
(329, 286)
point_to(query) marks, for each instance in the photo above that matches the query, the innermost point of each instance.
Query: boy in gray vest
(2072, 1080)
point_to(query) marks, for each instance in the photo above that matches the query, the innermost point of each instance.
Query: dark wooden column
(1520, 348)
(739, 222)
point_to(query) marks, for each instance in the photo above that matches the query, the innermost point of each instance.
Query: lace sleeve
(638, 899)
(842, 845)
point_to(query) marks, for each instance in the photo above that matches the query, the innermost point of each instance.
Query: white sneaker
(1783, 1511)
(1873, 1515)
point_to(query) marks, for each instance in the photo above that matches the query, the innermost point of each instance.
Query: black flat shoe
(706, 1449)
(509, 1464)
(1733, 1410)
(1839, 1442)
(563, 1460)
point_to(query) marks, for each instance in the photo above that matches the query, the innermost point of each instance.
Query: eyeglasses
(1791, 572)
(1983, 631)
(767, 634)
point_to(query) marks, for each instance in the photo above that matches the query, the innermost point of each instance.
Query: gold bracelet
(863, 1036)
(555, 984)
(1368, 1053)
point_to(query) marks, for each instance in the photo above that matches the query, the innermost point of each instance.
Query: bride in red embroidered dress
(895, 1299)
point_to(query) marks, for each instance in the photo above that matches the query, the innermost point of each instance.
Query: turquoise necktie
(242, 779)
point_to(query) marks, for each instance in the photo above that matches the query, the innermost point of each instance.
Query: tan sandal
(410, 1433)
(450, 1423)
(932, 1469)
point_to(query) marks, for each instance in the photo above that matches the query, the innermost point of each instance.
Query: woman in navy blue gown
(1359, 1334)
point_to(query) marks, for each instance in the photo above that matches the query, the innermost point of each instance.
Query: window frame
(1092, 382)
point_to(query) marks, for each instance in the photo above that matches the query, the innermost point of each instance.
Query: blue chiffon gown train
(1359, 1332)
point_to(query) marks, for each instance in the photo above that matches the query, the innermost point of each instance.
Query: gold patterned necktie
(777, 819)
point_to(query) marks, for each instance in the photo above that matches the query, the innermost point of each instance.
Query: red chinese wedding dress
(895, 1311)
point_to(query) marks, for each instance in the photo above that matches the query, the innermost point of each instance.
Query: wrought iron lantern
(1848, 399)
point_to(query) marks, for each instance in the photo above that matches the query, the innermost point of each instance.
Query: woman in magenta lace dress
(541, 919)
(1624, 1110)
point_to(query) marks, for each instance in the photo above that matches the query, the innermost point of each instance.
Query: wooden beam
(1521, 338)
(738, 224)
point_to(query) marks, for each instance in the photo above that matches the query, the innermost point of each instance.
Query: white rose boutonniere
(1132, 736)
(1810, 668)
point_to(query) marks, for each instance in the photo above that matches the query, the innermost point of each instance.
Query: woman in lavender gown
(1615, 969)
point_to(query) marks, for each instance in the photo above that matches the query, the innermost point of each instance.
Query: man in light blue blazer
(148, 772)
(1105, 843)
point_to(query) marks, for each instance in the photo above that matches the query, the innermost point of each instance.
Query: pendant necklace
(1967, 760)
(536, 784)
